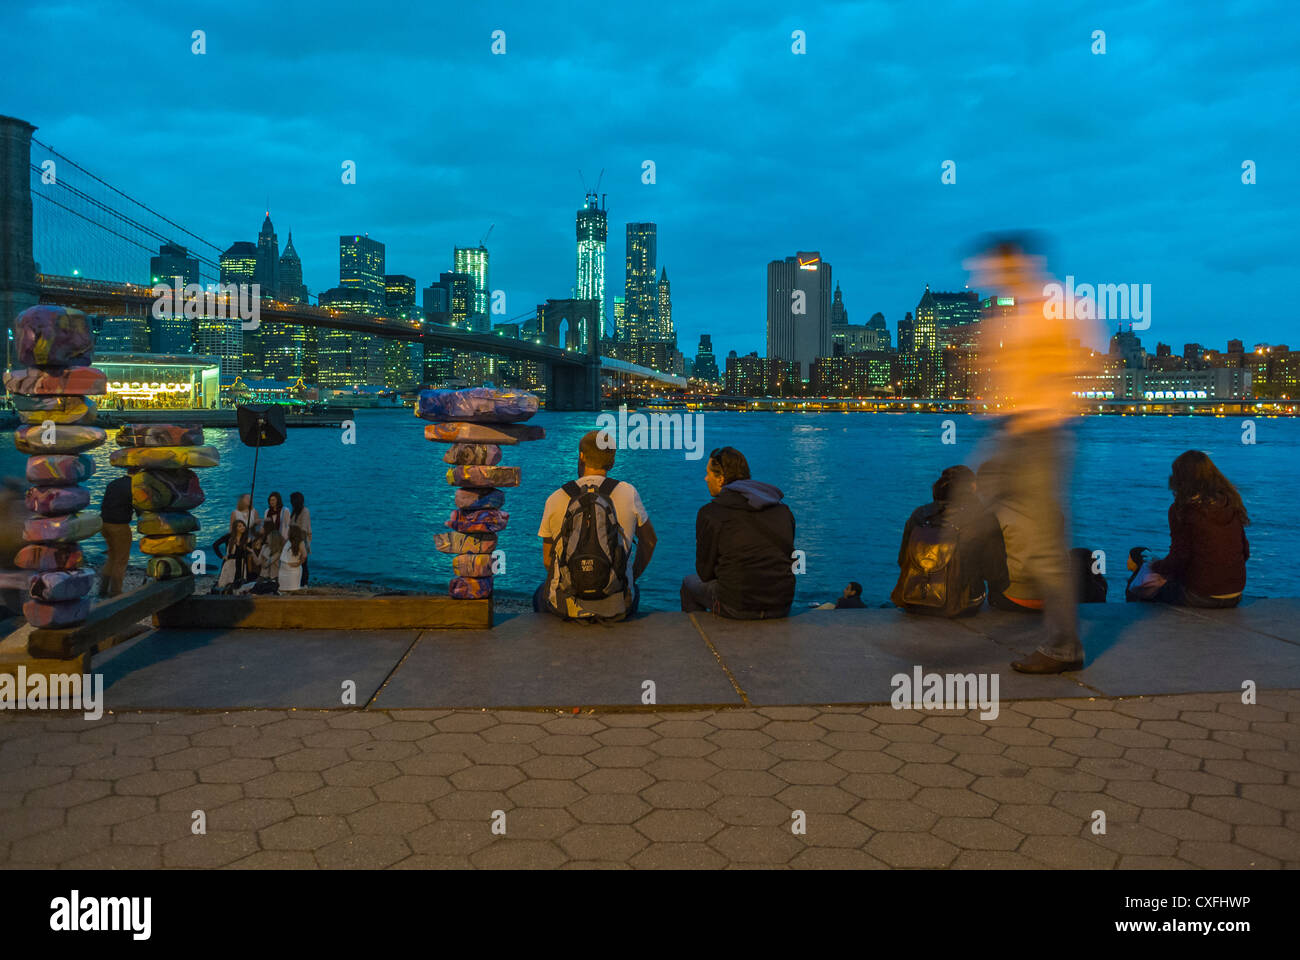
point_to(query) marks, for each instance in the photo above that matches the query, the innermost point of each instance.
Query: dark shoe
(1042, 663)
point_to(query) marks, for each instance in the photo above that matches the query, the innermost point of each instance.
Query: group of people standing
(274, 546)
(277, 549)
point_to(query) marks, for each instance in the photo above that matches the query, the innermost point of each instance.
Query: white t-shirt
(627, 506)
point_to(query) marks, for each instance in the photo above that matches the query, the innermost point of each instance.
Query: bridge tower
(18, 289)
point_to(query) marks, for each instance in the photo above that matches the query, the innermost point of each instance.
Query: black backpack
(932, 580)
(593, 557)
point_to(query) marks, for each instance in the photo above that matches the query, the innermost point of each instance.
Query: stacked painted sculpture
(477, 423)
(51, 393)
(161, 457)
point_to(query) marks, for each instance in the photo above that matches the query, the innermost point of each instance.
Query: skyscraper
(267, 272)
(641, 296)
(877, 323)
(361, 268)
(620, 319)
(592, 231)
(799, 310)
(925, 329)
(291, 288)
(473, 262)
(460, 297)
(173, 261)
(665, 327)
(906, 334)
(284, 346)
(239, 263)
(399, 296)
(706, 365)
(839, 315)
(224, 337)
(174, 333)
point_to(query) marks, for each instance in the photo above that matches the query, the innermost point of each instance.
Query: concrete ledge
(327, 613)
(815, 658)
(108, 620)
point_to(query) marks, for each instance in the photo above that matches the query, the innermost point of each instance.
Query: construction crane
(594, 191)
(486, 235)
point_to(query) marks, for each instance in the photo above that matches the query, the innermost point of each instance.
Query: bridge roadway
(572, 378)
(98, 294)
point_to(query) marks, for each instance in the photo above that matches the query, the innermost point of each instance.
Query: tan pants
(118, 537)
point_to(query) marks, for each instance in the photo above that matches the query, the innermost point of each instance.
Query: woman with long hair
(1208, 549)
(276, 512)
(300, 517)
(234, 562)
(291, 561)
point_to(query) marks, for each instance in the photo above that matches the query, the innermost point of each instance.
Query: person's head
(595, 452)
(1194, 477)
(244, 502)
(955, 483)
(726, 465)
(274, 501)
(854, 589)
(295, 537)
(296, 501)
(237, 528)
(269, 527)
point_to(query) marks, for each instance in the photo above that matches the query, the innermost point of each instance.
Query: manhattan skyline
(758, 151)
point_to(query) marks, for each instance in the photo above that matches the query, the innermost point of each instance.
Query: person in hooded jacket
(1208, 549)
(744, 542)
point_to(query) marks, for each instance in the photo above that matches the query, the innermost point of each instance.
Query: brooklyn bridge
(55, 212)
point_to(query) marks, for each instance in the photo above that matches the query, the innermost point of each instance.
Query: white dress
(290, 576)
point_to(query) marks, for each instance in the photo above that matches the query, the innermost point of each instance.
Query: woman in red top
(1206, 565)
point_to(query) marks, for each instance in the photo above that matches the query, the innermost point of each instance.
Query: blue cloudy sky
(1130, 161)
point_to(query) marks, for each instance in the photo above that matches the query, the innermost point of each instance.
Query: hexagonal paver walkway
(1199, 780)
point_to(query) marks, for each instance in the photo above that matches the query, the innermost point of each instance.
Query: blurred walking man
(1035, 354)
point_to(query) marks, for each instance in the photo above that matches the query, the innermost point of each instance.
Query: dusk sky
(1131, 161)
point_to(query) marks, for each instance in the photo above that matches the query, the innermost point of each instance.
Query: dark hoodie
(1208, 548)
(744, 539)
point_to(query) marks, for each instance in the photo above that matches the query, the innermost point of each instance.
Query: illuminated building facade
(799, 310)
(221, 337)
(620, 320)
(755, 376)
(864, 374)
(151, 381)
(472, 262)
(361, 270)
(640, 293)
(593, 228)
(239, 263)
(664, 328)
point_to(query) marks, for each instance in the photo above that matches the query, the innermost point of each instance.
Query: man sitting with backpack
(952, 548)
(744, 541)
(588, 528)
